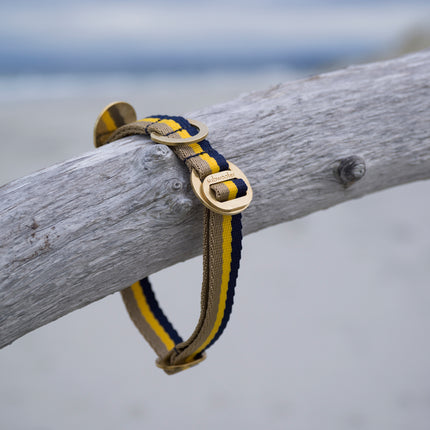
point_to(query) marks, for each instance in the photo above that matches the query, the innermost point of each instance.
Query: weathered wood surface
(85, 228)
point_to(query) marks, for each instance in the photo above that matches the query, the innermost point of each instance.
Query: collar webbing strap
(222, 238)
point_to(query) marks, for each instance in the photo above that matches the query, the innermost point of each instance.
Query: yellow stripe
(196, 148)
(211, 161)
(152, 119)
(147, 314)
(213, 165)
(226, 263)
(175, 126)
(171, 123)
(232, 189)
(109, 122)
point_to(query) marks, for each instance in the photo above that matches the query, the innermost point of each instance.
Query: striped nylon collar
(225, 192)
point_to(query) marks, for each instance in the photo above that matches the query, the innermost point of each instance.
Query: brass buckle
(203, 191)
(203, 132)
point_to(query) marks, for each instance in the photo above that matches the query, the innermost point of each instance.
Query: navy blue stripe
(185, 125)
(241, 187)
(220, 160)
(236, 246)
(156, 310)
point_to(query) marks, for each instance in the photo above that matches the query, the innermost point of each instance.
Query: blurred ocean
(330, 327)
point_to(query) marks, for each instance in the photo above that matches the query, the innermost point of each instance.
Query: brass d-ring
(203, 132)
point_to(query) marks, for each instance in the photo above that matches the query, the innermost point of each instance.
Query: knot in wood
(349, 170)
(155, 152)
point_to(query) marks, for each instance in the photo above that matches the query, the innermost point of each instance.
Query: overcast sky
(91, 30)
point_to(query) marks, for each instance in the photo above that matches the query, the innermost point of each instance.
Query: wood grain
(80, 230)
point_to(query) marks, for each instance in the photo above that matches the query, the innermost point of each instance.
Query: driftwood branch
(80, 230)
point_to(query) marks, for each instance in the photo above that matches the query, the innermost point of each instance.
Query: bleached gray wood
(85, 228)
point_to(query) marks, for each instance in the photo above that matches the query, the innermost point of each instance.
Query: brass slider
(175, 368)
(203, 191)
(203, 132)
